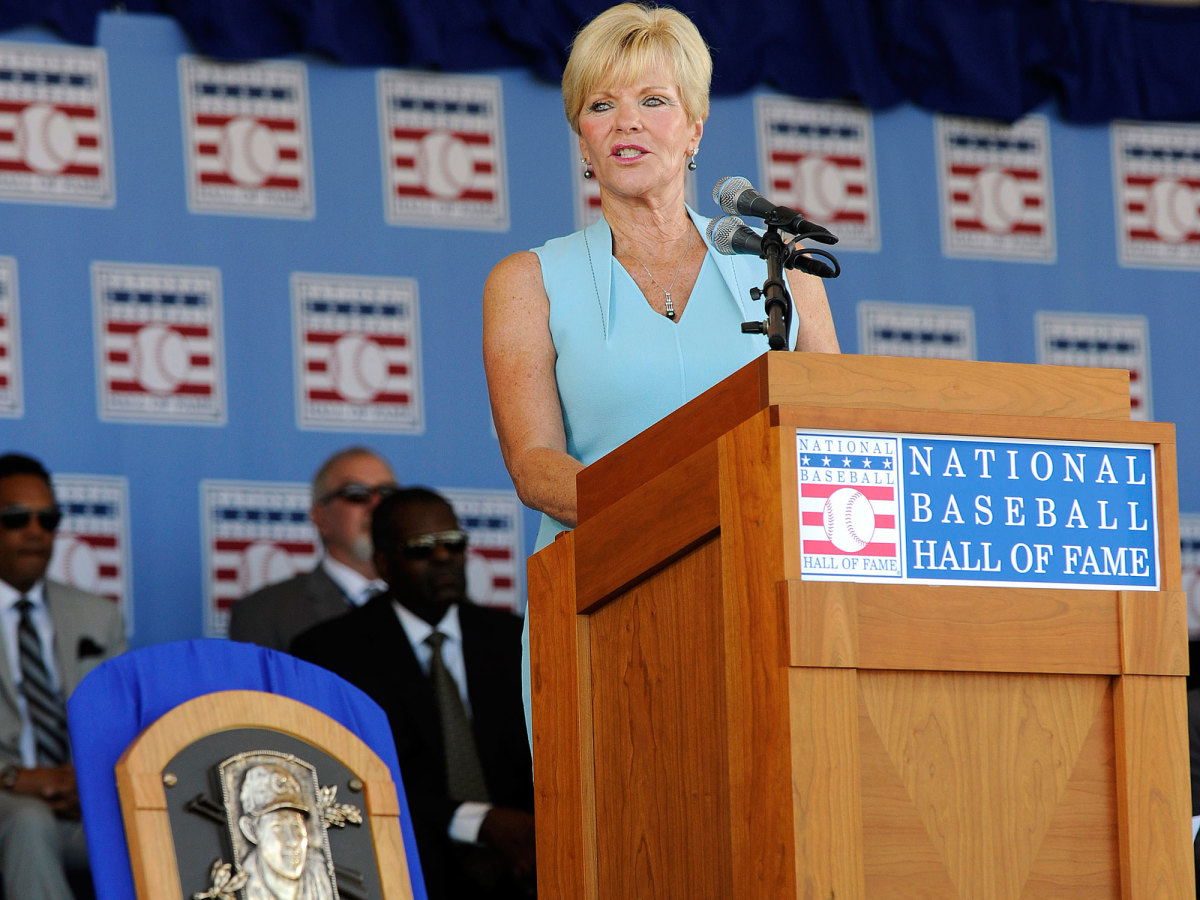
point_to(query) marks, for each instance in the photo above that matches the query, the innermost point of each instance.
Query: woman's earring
(692, 160)
(587, 169)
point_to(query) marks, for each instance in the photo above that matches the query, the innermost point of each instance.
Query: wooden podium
(709, 725)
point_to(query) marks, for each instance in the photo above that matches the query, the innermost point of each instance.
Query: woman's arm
(811, 307)
(519, 357)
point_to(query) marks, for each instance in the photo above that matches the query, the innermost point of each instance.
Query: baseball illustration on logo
(263, 563)
(357, 352)
(445, 164)
(158, 343)
(848, 505)
(996, 189)
(47, 137)
(247, 138)
(1156, 168)
(91, 546)
(159, 359)
(443, 150)
(255, 533)
(849, 520)
(77, 563)
(819, 158)
(357, 367)
(55, 134)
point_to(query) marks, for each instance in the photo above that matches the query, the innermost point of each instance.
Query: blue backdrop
(940, 258)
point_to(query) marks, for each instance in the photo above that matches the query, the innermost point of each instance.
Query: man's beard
(362, 549)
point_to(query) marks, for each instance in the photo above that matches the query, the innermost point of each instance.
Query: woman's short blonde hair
(629, 40)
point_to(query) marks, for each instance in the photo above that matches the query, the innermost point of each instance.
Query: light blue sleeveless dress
(622, 366)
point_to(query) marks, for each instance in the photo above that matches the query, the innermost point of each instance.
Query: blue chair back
(123, 696)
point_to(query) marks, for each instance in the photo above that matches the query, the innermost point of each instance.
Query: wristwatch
(8, 777)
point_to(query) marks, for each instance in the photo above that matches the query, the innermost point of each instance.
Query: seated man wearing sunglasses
(53, 636)
(344, 492)
(448, 674)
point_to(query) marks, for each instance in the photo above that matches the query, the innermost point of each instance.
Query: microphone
(730, 235)
(736, 195)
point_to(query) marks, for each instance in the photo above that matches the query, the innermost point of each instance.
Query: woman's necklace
(667, 290)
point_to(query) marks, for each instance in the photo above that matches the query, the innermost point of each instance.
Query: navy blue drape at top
(991, 58)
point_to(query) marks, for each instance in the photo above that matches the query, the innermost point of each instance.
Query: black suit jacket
(369, 648)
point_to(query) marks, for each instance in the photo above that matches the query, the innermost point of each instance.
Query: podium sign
(940, 509)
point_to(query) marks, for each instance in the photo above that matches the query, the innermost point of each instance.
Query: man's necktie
(464, 772)
(47, 711)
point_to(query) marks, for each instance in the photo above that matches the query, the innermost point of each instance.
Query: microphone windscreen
(727, 191)
(721, 232)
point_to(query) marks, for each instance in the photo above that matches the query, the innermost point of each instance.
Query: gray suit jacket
(273, 615)
(87, 631)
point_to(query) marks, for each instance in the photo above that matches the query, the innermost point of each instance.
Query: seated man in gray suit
(345, 490)
(53, 636)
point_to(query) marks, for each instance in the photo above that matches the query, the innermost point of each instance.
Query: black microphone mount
(730, 235)
(774, 293)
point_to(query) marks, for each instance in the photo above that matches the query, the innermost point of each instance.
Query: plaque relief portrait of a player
(276, 827)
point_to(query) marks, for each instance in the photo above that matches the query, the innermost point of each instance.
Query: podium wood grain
(737, 731)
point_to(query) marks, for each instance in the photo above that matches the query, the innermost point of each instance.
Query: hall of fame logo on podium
(1107, 342)
(255, 533)
(849, 512)
(91, 546)
(55, 127)
(357, 351)
(495, 552)
(995, 189)
(246, 137)
(917, 330)
(158, 343)
(820, 159)
(443, 151)
(955, 509)
(11, 394)
(1156, 172)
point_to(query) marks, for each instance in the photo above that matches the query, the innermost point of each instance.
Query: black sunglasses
(422, 546)
(14, 518)
(358, 493)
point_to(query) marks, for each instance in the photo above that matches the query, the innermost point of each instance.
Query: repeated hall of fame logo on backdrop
(995, 189)
(247, 138)
(357, 351)
(255, 533)
(1156, 172)
(442, 142)
(495, 551)
(11, 404)
(911, 329)
(158, 343)
(1107, 342)
(91, 546)
(820, 159)
(55, 128)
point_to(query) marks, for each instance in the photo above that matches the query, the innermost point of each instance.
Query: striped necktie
(45, 706)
